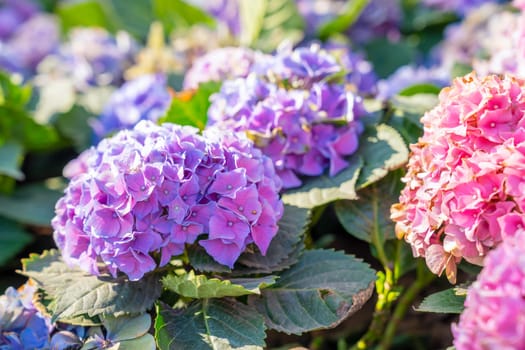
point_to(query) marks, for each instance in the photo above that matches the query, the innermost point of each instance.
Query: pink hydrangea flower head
(465, 178)
(137, 198)
(494, 315)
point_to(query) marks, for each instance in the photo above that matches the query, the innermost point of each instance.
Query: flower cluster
(221, 64)
(494, 314)
(26, 36)
(464, 184)
(143, 98)
(91, 57)
(490, 39)
(136, 199)
(296, 115)
(22, 326)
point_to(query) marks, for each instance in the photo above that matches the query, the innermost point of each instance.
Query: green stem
(422, 280)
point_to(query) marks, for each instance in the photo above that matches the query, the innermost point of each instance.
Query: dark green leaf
(318, 292)
(379, 49)
(209, 324)
(88, 13)
(192, 111)
(200, 260)
(13, 238)
(30, 204)
(320, 190)
(285, 247)
(371, 212)
(11, 156)
(383, 150)
(201, 287)
(74, 125)
(450, 301)
(70, 292)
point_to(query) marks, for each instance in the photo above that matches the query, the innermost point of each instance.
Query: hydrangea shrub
(135, 200)
(462, 193)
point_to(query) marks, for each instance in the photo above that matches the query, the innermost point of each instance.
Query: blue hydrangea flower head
(22, 326)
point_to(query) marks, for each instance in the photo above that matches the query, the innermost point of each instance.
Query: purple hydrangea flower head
(495, 305)
(26, 36)
(144, 98)
(303, 121)
(14, 13)
(461, 7)
(92, 57)
(407, 76)
(136, 199)
(22, 326)
(360, 72)
(220, 64)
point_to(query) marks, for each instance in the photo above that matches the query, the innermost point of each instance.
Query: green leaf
(320, 291)
(377, 49)
(285, 248)
(130, 332)
(209, 324)
(420, 89)
(13, 238)
(320, 190)
(266, 24)
(12, 94)
(192, 111)
(69, 292)
(450, 301)
(73, 124)
(407, 113)
(11, 156)
(371, 211)
(383, 150)
(135, 19)
(200, 260)
(200, 287)
(84, 14)
(17, 124)
(177, 14)
(342, 22)
(31, 204)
